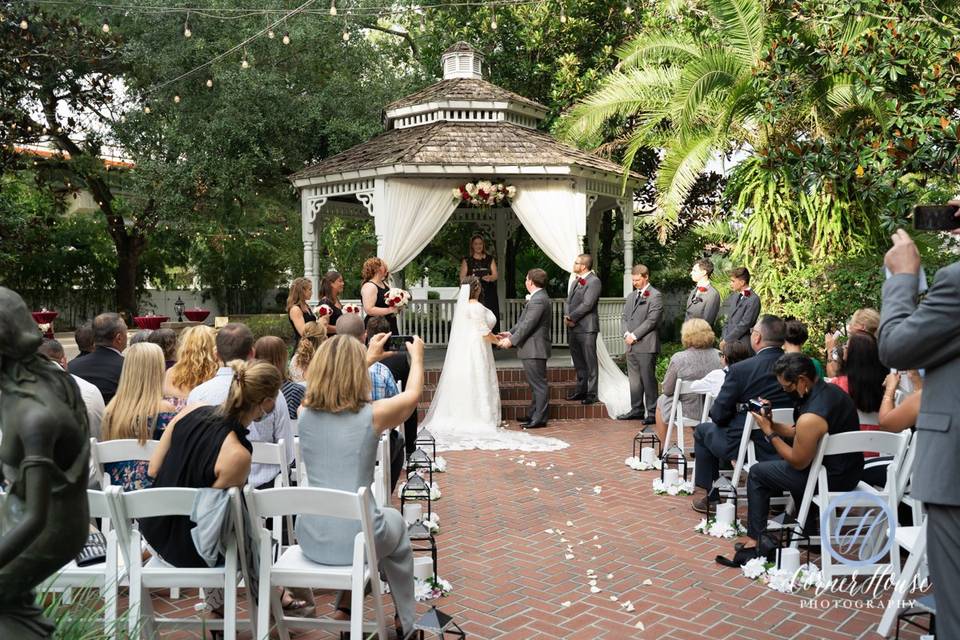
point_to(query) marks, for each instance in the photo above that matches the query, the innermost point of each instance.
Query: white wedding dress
(465, 410)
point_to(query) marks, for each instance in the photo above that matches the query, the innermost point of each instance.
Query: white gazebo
(459, 130)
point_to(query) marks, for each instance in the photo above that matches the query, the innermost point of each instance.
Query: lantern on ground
(786, 532)
(425, 440)
(647, 438)
(416, 490)
(420, 460)
(673, 458)
(422, 541)
(722, 491)
(439, 625)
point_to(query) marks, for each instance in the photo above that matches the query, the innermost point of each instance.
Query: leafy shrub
(667, 349)
(267, 324)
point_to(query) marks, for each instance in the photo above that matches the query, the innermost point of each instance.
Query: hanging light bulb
(286, 38)
(333, 7)
(176, 99)
(423, 24)
(346, 36)
(146, 109)
(271, 34)
(628, 10)
(243, 63)
(209, 82)
(24, 24)
(493, 20)
(106, 27)
(186, 31)
(563, 15)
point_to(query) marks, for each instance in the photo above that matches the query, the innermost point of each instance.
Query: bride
(465, 410)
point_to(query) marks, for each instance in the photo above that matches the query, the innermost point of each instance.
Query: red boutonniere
(702, 289)
(746, 293)
(582, 281)
(646, 294)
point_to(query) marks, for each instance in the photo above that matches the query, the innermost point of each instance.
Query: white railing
(431, 319)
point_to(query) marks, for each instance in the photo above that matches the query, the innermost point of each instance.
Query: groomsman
(642, 313)
(583, 324)
(742, 308)
(703, 301)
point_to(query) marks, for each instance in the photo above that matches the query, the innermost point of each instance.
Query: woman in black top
(298, 311)
(331, 288)
(373, 292)
(482, 265)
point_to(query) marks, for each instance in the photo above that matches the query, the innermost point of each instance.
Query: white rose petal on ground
(647, 582)
(569, 523)
(565, 604)
(569, 556)
(597, 489)
(639, 625)
(595, 589)
(613, 598)
(550, 531)
(535, 490)
(609, 576)
(569, 473)
(630, 608)
(592, 583)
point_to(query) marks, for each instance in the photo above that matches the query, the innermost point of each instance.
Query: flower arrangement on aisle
(635, 463)
(432, 523)
(678, 488)
(397, 298)
(351, 308)
(430, 589)
(720, 529)
(484, 193)
(761, 570)
(435, 493)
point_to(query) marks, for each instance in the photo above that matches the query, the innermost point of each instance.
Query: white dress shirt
(274, 426)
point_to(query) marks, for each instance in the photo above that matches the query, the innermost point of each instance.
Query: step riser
(558, 391)
(554, 375)
(557, 411)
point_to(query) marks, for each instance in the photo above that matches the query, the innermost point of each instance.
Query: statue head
(19, 334)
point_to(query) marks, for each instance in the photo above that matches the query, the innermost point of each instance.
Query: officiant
(481, 264)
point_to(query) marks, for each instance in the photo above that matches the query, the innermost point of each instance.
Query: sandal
(293, 604)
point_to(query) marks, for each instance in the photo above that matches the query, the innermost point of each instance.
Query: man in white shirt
(235, 342)
(92, 398)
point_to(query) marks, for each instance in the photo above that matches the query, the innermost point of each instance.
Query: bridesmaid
(298, 309)
(480, 264)
(373, 292)
(331, 288)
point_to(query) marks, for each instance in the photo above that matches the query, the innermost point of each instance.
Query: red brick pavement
(511, 579)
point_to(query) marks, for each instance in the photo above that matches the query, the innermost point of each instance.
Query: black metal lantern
(439, 623)
(420, 460)
(647, 438)
(423, 541)
(673, 456)
(179, 306)
(416, 490)
(425, 440)
(784, 530)
(722, 491)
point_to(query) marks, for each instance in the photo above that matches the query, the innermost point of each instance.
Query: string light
(24, 24)
(146, 109)
(346, 35)
(106, 27)
(493, 19)
(209, 82)
(333, 7)
(628, 10)
(243, 63)
(286, 38)
(176, 99)
(271, 34)
(563, 14)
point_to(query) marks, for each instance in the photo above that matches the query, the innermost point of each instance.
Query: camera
(397, 343)
(759, 406)
(937, 217)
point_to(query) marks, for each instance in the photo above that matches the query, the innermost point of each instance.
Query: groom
(531, 336)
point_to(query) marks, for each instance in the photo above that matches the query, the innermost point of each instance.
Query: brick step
(514, 391)
(555, 375)
(558, 410)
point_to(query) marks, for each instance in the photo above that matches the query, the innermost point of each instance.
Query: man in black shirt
(822, 408)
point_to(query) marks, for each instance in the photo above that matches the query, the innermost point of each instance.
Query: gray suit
(531, 337)
(581, 307)
(927, 336)
(641, 317)
(703, 304)
(742, 312)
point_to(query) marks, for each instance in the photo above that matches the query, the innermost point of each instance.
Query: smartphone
(758, 406)
(935, 217)
(397, 343)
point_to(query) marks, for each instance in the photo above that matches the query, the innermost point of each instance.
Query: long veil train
(465, 410)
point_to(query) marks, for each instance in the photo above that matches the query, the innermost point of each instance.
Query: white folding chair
(276, 454)
(105, 576)
(817, 493)
(747, 453)
(905, 480)
(381, 473)
(914, 541)
(293, 569)
(157, 574)
(102, 453)
(676, 419)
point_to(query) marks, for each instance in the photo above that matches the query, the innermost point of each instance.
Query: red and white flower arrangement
(483, 193)
(323, 311)
(397, 298)
(351, 308)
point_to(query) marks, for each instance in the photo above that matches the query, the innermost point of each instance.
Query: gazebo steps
(555, 375)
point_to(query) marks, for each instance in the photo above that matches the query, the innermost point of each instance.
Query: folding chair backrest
(98, 503)
(381, 475)
(707, 405)
(272, 453)
(746, 454)
(905, 471)
(108, 451)
(887, 444)
(149, 503)
(304, 501)
(295, 427)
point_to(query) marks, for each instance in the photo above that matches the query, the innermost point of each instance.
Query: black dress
(382, 303)
(335, 315)
(190, 462)
(307, 317)
(488, 297)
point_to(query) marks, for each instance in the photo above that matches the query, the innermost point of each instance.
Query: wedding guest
(196, 363)
(640, 321)
(141, 336)
(703, 301)
(399, 365)
(796, 336)
(208, 446)
(92, 398)
(83, 336)
(331, 288)
(480, 264)
(102, 367)
(340, 429)
(166, 339)
(862, 376)
(314, 333)
(298, 307)
(713, 381)
(138, 412)
(274, 350)
(742, 308)
(373, 293)
(697, 359)
(235, 342)
(864, 320)
(894, 418)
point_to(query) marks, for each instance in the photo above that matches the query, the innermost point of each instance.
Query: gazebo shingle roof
(463, 89)
(460, 143)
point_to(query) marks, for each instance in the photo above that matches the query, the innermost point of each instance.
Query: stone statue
(44, 457)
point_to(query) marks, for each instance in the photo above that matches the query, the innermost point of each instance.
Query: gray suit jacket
(531, 334)
(703, 304)
(742, 314)
(582, 305)
(927, 336)
(641, 317)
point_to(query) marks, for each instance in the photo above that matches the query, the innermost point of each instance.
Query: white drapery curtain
(411, 214)
(554, 215)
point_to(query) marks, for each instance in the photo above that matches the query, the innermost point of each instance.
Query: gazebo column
(309, 217)
(593, 228)
(500, 236)
(626, 209)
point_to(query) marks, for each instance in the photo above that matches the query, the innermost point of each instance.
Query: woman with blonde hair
(314, 333)
(137, 412)
(373, 292)
(697, 359)
(298, 307)
(196, 363)
(339, 432)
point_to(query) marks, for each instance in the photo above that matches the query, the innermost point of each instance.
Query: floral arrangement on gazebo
(484, 193)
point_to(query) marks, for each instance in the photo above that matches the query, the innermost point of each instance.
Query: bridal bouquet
(397, 298)
(483, 193)
(322, 311)
(351, 308)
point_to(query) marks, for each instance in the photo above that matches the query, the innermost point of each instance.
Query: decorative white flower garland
(635, 463)
(720, 530)
(430, 589)
(761, 570)
(679, 488)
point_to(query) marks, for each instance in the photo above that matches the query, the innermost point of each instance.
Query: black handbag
(94, 550)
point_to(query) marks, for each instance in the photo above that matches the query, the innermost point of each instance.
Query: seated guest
(207, 446)
(339, 435)
(742, 308)
(822, 408)
(102, 367)
(196, 363)
(399, 365)
(331, 288)
(83, 336)
(274, 350)
(235, 342)
(862, 376)
(713, 381)
(894, 418)
(796, 337)
(141, 336)
(696, 360)
(719, 440)
(314, 333)
(138, 411)
(92, 399)
(864, 320)
(166, 339)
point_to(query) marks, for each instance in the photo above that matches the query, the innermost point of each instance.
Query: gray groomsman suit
(531, 337)
(641, 317)
(927, 336)
(742, 313)
(582, 309)
(703, 304)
